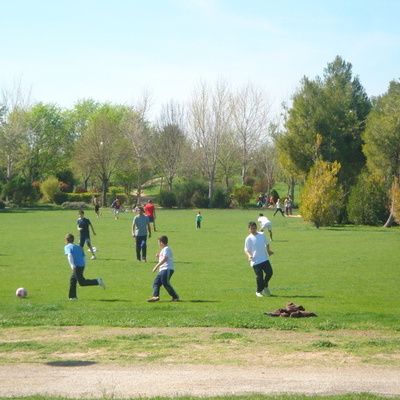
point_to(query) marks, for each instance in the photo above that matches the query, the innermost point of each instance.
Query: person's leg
(144, 247)
(156, 285)
(259, 277)
(138, 241)
(72, 285)
(267, 268)
(89, 245)
(165, 279)
(82, 280)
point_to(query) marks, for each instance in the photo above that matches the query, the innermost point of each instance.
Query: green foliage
(221, 198)
(191, 191)
(368, 201)
(321, 199)
(275, 195)
(167, 199)
(80, 197)
(242, 194)
(60, 198)
(49, 188)
(2, 205)
(115, 191)
(19, 191)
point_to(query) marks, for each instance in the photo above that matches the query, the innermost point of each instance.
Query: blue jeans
(162, 279)
(260, 270)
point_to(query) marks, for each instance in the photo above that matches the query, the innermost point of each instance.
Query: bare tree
(15, 103)
(250, 110)
(169, 141)
(209, 121)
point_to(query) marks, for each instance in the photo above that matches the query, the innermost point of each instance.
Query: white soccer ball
(21, 292)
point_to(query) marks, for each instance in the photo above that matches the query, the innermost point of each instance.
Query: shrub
(49, 188)
(368, 201)
(242, 194)
(80, 189)
(221, 199)
(77, 205)
(2, 205)
(167, 199)
(60, 198)
(82, 197)
(19, 191)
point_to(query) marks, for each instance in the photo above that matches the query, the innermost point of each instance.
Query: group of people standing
(141, 230)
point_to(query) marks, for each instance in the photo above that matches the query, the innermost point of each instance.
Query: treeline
(342, 147)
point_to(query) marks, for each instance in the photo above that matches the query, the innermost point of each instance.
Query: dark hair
(252, 223)
(81, 212)
(261, 215)
(70, 238)
(163, 239)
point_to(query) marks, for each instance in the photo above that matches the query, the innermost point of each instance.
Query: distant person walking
(279, 208)
(199, 218)
(76, 259)
(140, 228)
(150, 211)
(116, 205)
(288, 205)
(96, 203)
(256, 247)
(165, 267)
(84, 232)
(265, 223)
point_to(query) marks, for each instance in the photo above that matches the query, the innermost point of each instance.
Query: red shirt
(149, 209)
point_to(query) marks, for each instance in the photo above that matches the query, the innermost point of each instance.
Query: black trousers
(77, 277)
(263, 273)
(141, 247)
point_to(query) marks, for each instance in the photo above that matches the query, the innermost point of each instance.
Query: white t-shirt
(265, 223)
(169, 264)
(255, 245)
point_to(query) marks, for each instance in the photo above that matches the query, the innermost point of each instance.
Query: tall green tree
(382, 137)
(334, 107)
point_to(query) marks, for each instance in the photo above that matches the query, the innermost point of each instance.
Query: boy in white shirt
(256, 247)
(165, 266)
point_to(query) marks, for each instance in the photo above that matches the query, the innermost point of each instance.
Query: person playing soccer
(76, 258)
(140, 228)
(150, 211)
(116, 205)
(256, 247)
(165, 267)
(265, 223)
(84, 233)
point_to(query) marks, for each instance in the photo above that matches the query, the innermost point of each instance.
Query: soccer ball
(21, 292)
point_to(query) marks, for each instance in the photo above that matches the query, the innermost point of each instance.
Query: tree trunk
(389, 221)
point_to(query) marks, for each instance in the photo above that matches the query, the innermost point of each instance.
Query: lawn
(347, 275)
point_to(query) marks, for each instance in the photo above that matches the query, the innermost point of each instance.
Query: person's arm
(71, 261)
(133, 229)
(269, 250)
(161, 262)
(94, 233)
(248, 254)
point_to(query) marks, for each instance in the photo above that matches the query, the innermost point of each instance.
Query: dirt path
(99, 381)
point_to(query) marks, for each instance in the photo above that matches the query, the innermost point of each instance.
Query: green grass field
(349, 276)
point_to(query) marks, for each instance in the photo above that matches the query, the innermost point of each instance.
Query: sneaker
(101, 283)
(94, 248)
(93, 258)
(258, 294)
(144, 260)
(178, 299)
(73, 298)
(153, 299)
(266, 291)
(138, 260)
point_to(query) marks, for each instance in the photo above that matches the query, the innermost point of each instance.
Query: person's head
(252, 227)
(81, 213)
(261, 215)
(69, 238)
(140, 210)
(163, 241)
(199, 213)
(149, 201)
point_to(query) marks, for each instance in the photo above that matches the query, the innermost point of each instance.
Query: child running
(165, 266)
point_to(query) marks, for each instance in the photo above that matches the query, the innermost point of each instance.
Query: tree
(209, 120)
(249, 109)
(103, 149)
(50, 187)
(168, 141)
(382, 137)
(321, 198)
(47, 145)
(335, 108)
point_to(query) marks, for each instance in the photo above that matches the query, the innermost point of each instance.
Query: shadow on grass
(114, 300)
(297, 296)
(70, 363)
(112, 259)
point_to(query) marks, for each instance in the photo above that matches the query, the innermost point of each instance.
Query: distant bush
(83, 197)
(60, 198)
(167, 199)
(77, 205)
(2, 205)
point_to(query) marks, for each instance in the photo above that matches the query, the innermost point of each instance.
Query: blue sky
(114, 50)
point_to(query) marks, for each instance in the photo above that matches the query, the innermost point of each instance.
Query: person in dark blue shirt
(84, 233)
